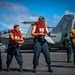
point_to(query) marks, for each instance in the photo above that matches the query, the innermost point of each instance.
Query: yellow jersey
(73, 33)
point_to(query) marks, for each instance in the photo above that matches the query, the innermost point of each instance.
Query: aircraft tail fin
(65, 24)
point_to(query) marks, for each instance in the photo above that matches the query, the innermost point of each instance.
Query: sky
(15, 11)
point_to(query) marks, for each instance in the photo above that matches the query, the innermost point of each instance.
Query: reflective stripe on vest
(40, 27)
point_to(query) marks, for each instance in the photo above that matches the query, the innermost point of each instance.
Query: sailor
(15, 39)
(0, 54)
(72, 35)
(39, 31)
(68, 45)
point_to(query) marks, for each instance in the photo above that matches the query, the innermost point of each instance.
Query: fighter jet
(57, 34)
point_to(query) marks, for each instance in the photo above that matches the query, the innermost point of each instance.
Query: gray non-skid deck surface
(58, 63)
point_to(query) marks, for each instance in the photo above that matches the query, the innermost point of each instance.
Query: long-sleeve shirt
(0, 39)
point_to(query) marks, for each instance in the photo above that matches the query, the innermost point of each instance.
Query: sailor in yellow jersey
(72, 35)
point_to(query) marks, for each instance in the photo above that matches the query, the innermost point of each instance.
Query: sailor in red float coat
(39, 31)
(15, 39)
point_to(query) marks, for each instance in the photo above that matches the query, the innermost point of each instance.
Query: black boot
(49, 68)
(34, 69)
(68, 60)
(21, 68)
(1, 67)
(8, 67)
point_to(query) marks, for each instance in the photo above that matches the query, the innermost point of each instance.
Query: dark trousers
(74, 52)
(69, 51)
(0, 61)
(74, 57)
(14, 50)
(41, 46)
